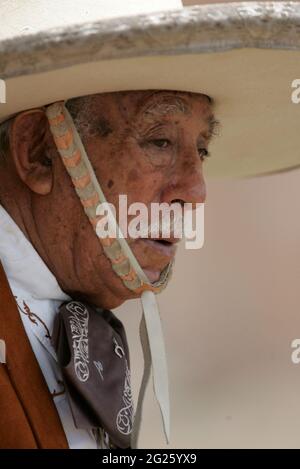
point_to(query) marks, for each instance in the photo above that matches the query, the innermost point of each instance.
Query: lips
(163, 246)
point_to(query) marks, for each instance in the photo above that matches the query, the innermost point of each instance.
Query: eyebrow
(166, 104)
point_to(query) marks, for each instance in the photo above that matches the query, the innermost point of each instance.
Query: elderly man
(97, 107)
(149, 145)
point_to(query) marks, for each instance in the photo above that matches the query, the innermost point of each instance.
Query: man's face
(147, 145)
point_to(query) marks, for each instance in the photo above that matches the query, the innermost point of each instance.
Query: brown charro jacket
(28, 416)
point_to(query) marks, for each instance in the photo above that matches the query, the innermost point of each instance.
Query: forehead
(151, 104)
(141, 109)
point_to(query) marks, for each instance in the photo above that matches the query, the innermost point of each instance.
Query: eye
(203, 153)
(161, 142)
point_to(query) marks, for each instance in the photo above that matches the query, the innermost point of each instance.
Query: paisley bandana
(93, 353)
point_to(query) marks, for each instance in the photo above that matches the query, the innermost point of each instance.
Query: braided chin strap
(123, 261)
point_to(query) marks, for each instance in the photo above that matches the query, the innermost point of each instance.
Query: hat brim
(245, 56)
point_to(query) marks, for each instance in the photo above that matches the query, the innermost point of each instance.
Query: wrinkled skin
(148, 145)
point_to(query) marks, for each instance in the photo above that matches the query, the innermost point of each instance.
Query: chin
(152, 274)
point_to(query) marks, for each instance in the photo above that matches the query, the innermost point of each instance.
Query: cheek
(66, 210)
(144, 179)
(125, 169)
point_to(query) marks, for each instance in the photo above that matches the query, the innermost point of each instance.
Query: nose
(186, 184)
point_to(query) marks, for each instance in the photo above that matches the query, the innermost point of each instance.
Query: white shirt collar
(36, 290)
(23, 265)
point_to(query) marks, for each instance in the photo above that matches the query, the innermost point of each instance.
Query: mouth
(166, 247)
(163, 249)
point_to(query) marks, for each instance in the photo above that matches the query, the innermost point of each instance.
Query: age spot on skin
(104, 128)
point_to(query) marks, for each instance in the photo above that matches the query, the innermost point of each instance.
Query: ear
(30, 138)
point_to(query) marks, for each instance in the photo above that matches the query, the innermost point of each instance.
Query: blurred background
(229, 316)
(200, 2)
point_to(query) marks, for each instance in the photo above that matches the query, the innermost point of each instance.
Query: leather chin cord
(123, 261)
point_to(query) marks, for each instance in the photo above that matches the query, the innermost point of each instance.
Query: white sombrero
(244, 55)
